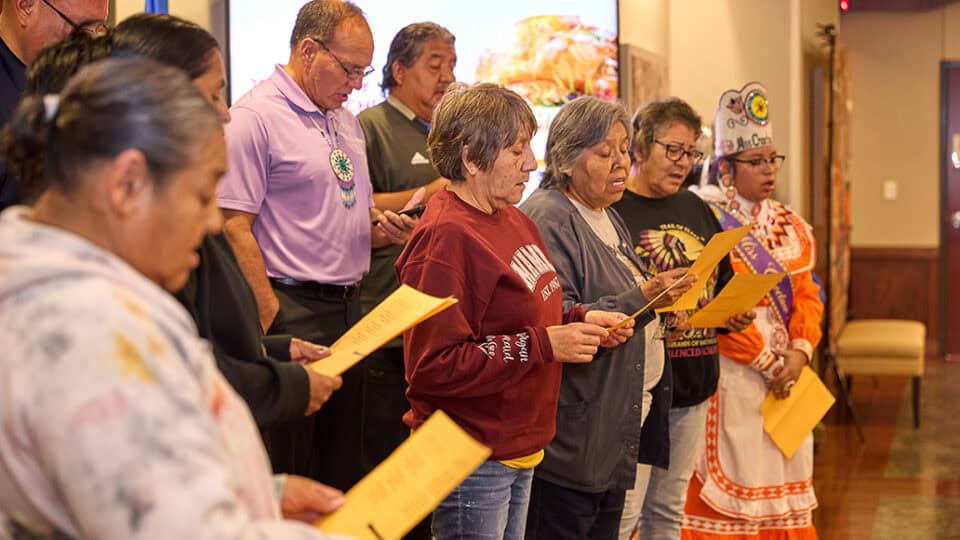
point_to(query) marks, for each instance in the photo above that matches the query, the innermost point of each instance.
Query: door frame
(945, 67)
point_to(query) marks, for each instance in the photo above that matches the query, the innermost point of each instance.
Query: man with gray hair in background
(298, 205)
(418, 70)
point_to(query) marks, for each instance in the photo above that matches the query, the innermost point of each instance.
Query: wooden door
(950, 207)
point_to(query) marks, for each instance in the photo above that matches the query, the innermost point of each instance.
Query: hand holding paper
(403, 489)
(681, 281)
(716, 249)
(404, 308)
(741, 294)
(789, 421)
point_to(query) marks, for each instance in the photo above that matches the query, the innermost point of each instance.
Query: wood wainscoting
(897, 283)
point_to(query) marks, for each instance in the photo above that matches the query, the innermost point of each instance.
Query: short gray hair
(484, 117)
(319, 19)
(580, 124)
(407, 46)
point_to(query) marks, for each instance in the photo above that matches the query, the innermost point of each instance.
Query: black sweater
(221, 302)
(670, 233)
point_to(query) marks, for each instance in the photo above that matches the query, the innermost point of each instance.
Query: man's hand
(304, 352)
(394, 228)
(306, 500)
(606, 319)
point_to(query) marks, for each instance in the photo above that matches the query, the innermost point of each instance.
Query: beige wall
(206, 13)
(894, 70)
(712, 46)
(644, 23)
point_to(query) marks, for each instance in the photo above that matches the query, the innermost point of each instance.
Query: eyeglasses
(357, 73)
(774, 161)
(91, 27)
(675, 152)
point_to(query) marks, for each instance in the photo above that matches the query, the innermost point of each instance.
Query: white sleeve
(130, 432)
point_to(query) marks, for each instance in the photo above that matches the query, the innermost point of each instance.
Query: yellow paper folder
(409, 484)
(403, 309)
(718, 246)
(741, 294)
(789, 421)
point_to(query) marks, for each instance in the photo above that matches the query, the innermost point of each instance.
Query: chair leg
(845, 395)
(916, 402)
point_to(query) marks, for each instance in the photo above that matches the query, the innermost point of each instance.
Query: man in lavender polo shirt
(298, 206)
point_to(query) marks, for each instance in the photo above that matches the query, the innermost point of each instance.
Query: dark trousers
(559, 513)
(327, 445)
(384, 404)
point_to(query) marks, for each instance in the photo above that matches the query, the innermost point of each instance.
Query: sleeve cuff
(767, 363)
(577, 313)
(295, 383)
(543, 342)
(279, 484)
(278, 346)
(249, 207)
(803, 346)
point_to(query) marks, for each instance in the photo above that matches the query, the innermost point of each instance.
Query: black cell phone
(416, 211)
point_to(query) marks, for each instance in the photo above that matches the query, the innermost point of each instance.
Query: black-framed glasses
(357, 73)
(774, 161)
(675, 152)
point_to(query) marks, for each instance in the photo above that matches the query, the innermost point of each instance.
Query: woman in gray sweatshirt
(578, 489)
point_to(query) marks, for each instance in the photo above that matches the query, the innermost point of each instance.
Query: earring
(730, 192)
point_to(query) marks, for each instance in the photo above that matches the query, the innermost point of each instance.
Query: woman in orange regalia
(744, 487)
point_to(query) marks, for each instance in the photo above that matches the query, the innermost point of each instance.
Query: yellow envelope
(403, 309)
(789, 421)
(710, 257)
(409, 484)
(741, 294)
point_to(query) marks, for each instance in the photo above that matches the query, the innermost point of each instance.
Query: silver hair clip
(51, 104)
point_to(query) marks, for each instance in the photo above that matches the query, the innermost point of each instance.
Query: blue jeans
(654, 507)
(490, 504)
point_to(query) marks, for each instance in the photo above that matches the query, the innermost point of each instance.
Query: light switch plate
(890, 190)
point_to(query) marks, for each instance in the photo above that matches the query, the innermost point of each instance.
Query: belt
(337, 292)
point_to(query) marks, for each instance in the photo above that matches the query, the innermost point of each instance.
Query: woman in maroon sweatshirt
(493, 361)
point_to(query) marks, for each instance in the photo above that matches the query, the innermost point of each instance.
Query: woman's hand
(304, 352)
(307, 500)
(321, 388)
(660, 282)
(606, 319)
(576, 342)
(783, 381)
(740, 321)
